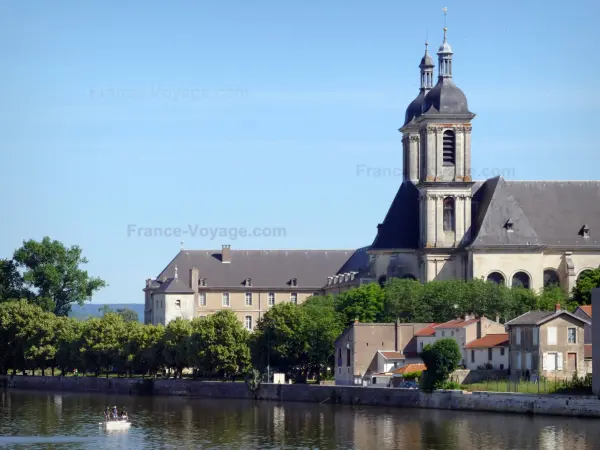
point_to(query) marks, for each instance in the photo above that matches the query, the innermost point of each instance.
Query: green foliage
(176, 341)
(128, 315)
(52, 271)
(582, 292)
(365, 303)
(412, 375)
(441, 359)
(11, 281)
(450, 385)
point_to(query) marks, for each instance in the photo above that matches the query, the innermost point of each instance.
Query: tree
(582, 292)
(364, 303)
(104, 310)
(53, 271)
(102, 342)
(219, 345)
(278, 340)
(68, 341)
(11, 281)
(175, 344)
(404, 301)
(129, 315)
(441, 359)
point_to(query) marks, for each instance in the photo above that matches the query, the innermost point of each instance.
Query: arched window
(449, 142)
(582, 273)
(551, 278)
(409, 276)
(521, 279)
(496, 277)
(449, 214)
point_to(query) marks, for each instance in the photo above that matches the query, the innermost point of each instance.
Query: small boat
(116, 424)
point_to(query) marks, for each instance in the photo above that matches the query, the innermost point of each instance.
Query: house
(585, 312)
(467, 330)
(366, 351)
(488, 352)
(545, 343)
(596, 359)
(425, 336)
(248, 282)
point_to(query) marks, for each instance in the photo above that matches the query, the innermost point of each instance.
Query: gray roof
(266, 268)
(540, 317)
(446, 98)
(544, 213)
(415, 108)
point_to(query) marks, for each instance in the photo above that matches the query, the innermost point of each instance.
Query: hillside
(93, 310)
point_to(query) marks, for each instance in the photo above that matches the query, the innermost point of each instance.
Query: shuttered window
(449, 149)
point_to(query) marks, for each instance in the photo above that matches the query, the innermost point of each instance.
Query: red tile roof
(587, 350)
(392, 355)
(458, 323)
(427, 331)
(410, 368)
(489, 340)
(587, 309)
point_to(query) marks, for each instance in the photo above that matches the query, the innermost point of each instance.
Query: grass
(527, 387)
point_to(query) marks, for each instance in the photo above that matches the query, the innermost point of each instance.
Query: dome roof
(415, 108)
(446, 98)
(426, 61)
(445, 48)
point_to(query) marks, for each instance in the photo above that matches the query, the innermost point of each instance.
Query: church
(444, 225)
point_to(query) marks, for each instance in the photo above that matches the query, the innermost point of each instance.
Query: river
(42, 420)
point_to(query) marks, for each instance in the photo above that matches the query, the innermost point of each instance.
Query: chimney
(356, 320)
(194, 278)
(226, 254)
(148, 282)
(497, 318)
(557, 307)
(397, 335)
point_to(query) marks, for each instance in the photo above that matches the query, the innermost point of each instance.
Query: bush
(441, 359)
(449, 385)
(412, 375)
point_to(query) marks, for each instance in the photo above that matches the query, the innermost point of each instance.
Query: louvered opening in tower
(449, 141)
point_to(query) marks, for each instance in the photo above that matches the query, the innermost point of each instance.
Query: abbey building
(443, 225)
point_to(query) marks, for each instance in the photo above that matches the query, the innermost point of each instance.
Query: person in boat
(107, 414)
(114, 412)
(123, 415)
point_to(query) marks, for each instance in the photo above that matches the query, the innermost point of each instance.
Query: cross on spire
(445, 9)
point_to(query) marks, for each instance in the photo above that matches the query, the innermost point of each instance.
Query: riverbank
(559, 405)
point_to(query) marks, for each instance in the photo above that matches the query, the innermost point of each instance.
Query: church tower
(437, 159)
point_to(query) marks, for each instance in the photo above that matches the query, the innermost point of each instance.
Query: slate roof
(400, 228)
(544, 213)
(541, 317)
(489, 341)
(266, 268)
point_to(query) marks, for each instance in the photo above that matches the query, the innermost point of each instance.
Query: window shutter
(551, 335)
(560, 361)
(545, 361)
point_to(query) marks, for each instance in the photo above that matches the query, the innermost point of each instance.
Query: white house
(492, 349)
(425, 336)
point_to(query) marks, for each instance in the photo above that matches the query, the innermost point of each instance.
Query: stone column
(467, 162)
(439, 207)
(439, 163)
(430, 154)
(460, 151)
(467, 217)
(414, 159)
(459, 216)
(430, 220)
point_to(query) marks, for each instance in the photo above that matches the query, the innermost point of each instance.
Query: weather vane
(445, 25)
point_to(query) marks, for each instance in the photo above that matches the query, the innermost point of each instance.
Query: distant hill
(93, 310)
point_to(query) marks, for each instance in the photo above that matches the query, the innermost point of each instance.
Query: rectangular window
(572, 361)
(501, 366)
(421, 346)
(443, 334)
(348, 358)
(339, 357)
(502, 351)
(472, 356)
(271, 299)
(551, 361)
(202, 299)
(294, 298)
(536, 335)
(572, 335)
(528, 361)
(551, 335)
(518, 336)
(489, 354)
(178, 303)
(225, 300)
(248, 298)
(518, 360)
(248, 323)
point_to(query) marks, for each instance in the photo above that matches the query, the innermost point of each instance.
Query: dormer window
(294, 282)
(203, 282)
(585, 232)
(509, 225)
(178, 303)
(248, 281)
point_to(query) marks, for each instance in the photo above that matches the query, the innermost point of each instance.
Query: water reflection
(44, 421)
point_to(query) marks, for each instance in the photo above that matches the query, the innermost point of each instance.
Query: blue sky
(257, 114)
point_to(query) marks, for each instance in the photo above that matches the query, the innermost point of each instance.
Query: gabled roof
(457, 323)
(391, 355)
(541, 317)
(586, 309)
(266, 268)
(409, 368)
(400, 228)
(498, 210)
(490, 341)
(427, 331)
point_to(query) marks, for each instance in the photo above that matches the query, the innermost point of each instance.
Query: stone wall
(577, 406)
(466, 376)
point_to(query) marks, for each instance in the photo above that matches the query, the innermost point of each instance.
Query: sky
(279, 116)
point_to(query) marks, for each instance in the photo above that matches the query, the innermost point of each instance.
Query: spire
(445, 53)
(426, 67)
